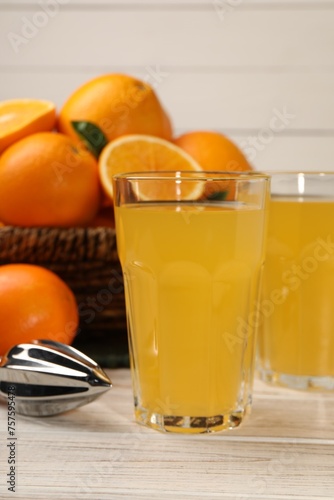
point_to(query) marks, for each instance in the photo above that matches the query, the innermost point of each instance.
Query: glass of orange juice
(191, 246)
(296, 311)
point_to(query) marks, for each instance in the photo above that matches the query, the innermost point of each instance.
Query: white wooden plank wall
(228, 65)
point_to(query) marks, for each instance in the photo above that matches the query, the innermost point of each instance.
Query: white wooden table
(285, 450)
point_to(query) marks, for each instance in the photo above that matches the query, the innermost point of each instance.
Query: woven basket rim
(68, 245)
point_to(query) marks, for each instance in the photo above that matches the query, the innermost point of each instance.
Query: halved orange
(144, 153)
(22, 117)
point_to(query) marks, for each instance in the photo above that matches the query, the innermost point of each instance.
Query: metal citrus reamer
(48, 378)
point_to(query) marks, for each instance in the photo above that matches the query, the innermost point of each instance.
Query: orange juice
(191, 281)
(297, 307)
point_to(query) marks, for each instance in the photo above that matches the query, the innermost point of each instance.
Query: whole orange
(35, 304)
(213, 151)
(47, 179)
(119, 105)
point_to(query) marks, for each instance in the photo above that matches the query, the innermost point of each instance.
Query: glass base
(190, 425)
(299, 382)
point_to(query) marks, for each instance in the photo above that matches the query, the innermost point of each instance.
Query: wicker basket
(86, 259)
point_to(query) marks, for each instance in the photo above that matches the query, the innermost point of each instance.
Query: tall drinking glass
(296, 347)
(191, 245)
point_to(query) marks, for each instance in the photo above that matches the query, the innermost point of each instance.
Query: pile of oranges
(56, 171)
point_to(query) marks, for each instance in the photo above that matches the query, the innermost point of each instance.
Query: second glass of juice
(296, 311)
(191, 247)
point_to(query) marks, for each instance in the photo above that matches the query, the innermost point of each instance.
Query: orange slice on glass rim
(22, 117)
(144, 153)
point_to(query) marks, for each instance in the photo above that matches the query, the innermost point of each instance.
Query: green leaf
(92, 135)
(218, 196)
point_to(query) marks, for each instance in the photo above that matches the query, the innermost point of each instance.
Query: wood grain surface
(285, 450)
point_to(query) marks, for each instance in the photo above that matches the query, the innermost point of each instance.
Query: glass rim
(209, 175)
(318, 173)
